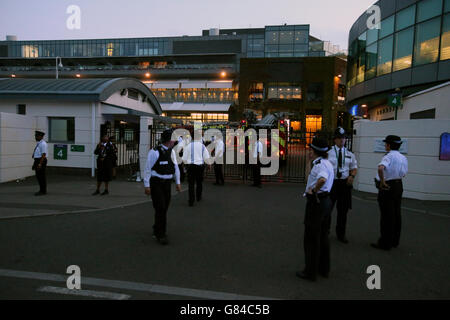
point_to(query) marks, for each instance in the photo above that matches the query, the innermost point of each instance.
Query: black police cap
(166, 136)
(320, 145)
(393, 139)
(39, 133)
(339, 133)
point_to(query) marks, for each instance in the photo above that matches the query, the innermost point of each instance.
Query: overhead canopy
(196, 107)
(95, 90)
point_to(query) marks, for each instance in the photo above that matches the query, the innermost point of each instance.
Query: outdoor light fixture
(13, 76)
(78, 75)
(147, 75)
(223, 74)
(340, 76)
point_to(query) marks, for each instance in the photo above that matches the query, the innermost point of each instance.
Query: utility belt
(389, 183)
(160, 180)
(316, 197)
(38, 161)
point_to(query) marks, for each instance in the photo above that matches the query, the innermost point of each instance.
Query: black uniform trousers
(195, 180)
(41, 174)
(161, 194)
(390, 203)
(316, 238)
(256, 168)
(218, 171)
(341, 196)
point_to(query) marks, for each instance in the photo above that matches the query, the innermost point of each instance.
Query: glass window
(445, 43)
(404, 41)
(387, 27)
(286, 48)
(315, 92)
(385, 48)
(62, 129)
(272, 37)
(447, 6)
(405, 18)
(286, 37)
(301, 48)
(427, 9)
(371, 61)
(301, 37)
(372, 36)
(427, 42)
(271, 48)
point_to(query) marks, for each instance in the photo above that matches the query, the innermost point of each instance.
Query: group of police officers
(329, 184)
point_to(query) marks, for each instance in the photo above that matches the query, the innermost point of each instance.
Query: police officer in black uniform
(40, 162)
(345, 169)
(160, 171)
(391, 170)
(318, 213)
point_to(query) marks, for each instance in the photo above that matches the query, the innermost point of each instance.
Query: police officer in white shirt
(345, 170)
(40, 162)
(160, 170)
(194, 156)
(318, 213)
(257, 155)
(391, 170)
(219, 148)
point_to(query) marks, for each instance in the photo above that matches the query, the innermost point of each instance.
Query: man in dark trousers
(40, 162)
(194, 156)
(160, 171)
(345, 169)
(318, 213)
(219, 148)
(392, 169)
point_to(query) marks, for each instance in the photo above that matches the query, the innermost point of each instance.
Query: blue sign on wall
(444, 153)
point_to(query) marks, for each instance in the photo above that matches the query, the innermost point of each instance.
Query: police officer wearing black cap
(160, 171)
(345, 169)
(40, 162)
(391, 170)
(318, 212)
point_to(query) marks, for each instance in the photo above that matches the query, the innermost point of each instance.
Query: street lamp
(60, 65)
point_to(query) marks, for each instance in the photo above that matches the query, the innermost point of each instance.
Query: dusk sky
(46, 19)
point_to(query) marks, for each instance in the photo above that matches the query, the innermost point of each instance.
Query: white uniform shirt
(322, 169)
(395, 164)
(258, 149)
(219, 148)
(195, 153)
(152, 157)
(348, 161)
(41, 148)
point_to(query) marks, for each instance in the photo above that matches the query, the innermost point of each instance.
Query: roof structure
(95, 90)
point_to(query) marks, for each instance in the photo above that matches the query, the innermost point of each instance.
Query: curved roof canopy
(95, 90)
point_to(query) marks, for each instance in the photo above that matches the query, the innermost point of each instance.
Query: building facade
(409, 53)
(193, 77)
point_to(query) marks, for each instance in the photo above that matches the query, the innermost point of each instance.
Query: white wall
(144, 146)
(428, 177)
(16, 146)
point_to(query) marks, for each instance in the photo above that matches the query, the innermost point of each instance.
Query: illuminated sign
(354, 110)
(444, 153)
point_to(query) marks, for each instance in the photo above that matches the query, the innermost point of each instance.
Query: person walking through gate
(345, 170)
(160, 170)
(219, 148)
(106, 156)
(392, 169)
(40, 162)
(257, 154)
(318, 213)
(194, 156)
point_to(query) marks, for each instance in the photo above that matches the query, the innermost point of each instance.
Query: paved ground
(239, 240)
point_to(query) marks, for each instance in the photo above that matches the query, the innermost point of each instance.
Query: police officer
(318, 213)
(257, 154)
(391, 170)
(219, 148)
(160, 171)
(194, 156)
(40, 162)
(345, 170)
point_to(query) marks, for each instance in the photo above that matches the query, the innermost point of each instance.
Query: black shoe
(344, 240)
(97, 192)
(105, 193)
(377, 246)
(304, 276)
(199, 199)
(324, 275)
(38, 194)
(163, 241)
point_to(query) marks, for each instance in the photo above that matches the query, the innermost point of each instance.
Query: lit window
(445, 43)
(427, 42)
(403, 49)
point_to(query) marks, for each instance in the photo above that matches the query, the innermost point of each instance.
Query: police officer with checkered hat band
(345, 169)
(318, 213)
(391, 170)
(40, 162)
(160, 171)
